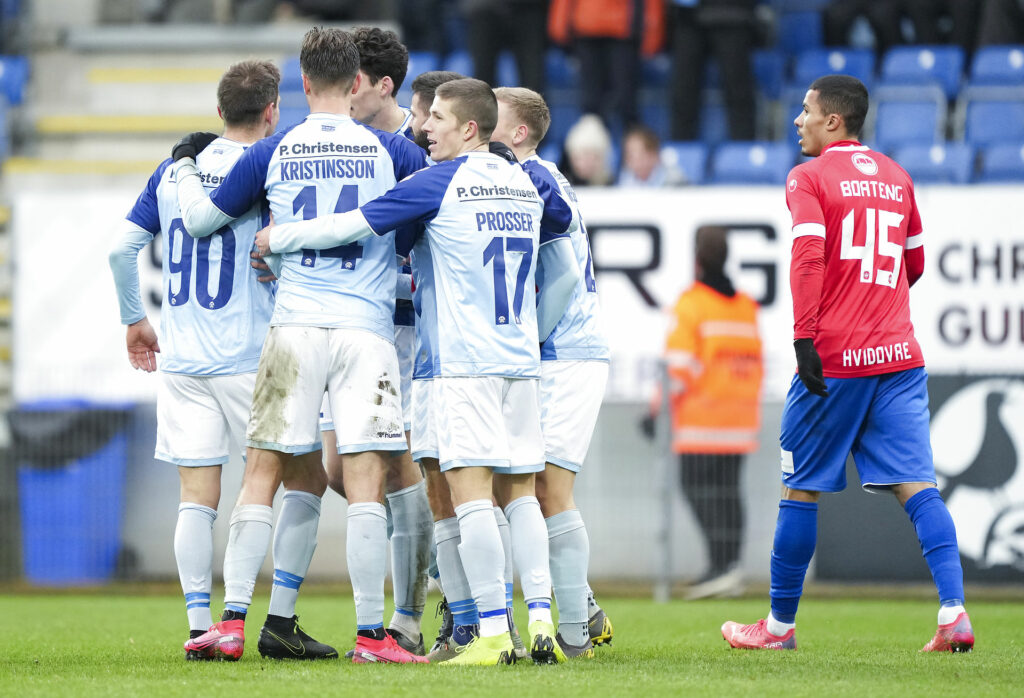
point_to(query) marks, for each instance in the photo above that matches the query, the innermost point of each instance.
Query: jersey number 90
(182, 267)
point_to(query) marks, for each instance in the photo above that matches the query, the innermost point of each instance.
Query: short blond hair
(528, 107)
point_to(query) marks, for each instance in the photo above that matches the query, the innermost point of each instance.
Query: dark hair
(712, 248)
(472, 100)
(646, 135)
(245, 90)
(844, 95)
(381, 54)
(425, 85)
(329, 58)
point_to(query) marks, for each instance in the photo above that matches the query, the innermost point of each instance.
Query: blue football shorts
(882, 420)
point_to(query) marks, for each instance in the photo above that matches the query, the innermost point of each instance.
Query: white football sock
(411, 542)
(506, 544)
(484, 562)
(248, 540)
(530, 550)
(449, 563)
(193, 551)
(778, 628)
(294, 543)
(366, 551)
(948, 614)
(570, 556)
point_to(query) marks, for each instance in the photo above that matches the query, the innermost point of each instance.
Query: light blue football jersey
(579, 335)
(327, 164)
(475, 263)
(214, 314)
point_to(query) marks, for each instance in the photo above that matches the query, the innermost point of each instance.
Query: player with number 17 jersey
(860, 322)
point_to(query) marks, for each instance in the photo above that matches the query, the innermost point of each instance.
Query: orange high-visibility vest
(714, 364)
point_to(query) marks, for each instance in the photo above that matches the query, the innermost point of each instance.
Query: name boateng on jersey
(861, 203)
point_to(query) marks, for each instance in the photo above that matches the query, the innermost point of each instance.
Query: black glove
(192, 144)
(808, 367)
(503, 150)
(647, 426)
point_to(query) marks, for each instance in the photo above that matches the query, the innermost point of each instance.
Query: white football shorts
(359, 371)
(197, 417)
(489, 421)
(405, 347)
(570, 400)
(423, 436)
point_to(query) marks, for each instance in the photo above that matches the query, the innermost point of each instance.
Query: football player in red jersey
(860, 386)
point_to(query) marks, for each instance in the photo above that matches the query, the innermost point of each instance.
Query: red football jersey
(855, 222)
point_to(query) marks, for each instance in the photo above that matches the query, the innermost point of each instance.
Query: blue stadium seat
(751, 162)
(799, 31)
(898, 121)
(1002, 163)
(565, 111)
(655, 115)
(507, 72)
(991, 121)
(294, 99)
(924, 65)
(769, 66)
(940, 163)
(561, 70)
(714, 119)
(998, 65)
(689, 157)
(460, 62)
(5, 133)
(421, 62)
(812, 64)
(798, 5)
(291, 116)
(13, 78)
(655, 71)
(291, 75)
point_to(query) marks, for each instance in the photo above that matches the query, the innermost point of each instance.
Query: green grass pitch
(115, 643)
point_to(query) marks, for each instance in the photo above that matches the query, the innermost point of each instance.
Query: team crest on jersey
(792, 185)
(865, 163)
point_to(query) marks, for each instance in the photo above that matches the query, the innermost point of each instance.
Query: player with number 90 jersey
(485, 220)
(327, 164)
(215, 313)
(861, 321)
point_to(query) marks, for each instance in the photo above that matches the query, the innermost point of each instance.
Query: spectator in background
(945, 21)
(608, 37)
(1002, 22)
(724, 29)
(641, 161)
(713, 354)
(588, 153)
(493, 26)
(884, 18)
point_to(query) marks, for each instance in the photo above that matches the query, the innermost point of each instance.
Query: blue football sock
(937, 534)
(796, 533)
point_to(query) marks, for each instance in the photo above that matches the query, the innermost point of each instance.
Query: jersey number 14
(877, 224)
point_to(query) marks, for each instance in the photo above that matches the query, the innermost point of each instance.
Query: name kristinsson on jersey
(868, 187)
(869, 356)
(326, 168)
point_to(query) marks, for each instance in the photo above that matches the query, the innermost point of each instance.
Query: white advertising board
(968, 309)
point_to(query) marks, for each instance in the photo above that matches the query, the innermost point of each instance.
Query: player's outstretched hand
(499, 148)
(259, 263)
(192, 144)
(142, 345)
(808, 366)
(263, 240)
